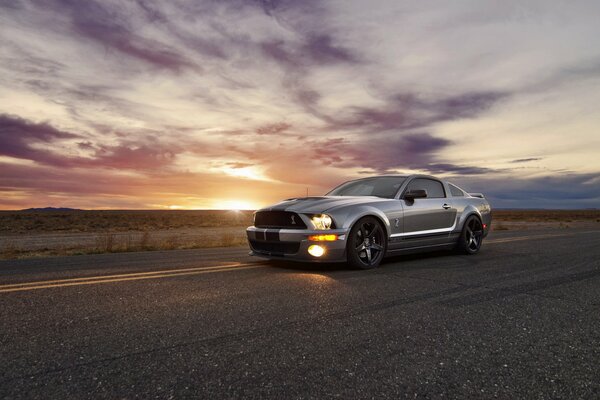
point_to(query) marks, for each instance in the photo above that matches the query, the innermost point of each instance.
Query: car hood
(314, 205)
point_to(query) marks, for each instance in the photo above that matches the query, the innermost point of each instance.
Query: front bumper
(292, 244)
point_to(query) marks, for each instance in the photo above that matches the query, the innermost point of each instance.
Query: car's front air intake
(278, 219)
(275, 248)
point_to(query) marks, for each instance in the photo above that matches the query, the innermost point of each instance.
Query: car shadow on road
(298, 266)
(427, 260)
(404, 262)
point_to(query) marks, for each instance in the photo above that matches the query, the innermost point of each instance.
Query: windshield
(382, 186)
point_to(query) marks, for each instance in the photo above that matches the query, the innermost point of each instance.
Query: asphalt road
(519, 320)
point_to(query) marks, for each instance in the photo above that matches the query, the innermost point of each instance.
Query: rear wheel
(471, 236)
(367, 243)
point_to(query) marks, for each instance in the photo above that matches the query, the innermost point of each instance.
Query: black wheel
(471, 236)
(366, 243)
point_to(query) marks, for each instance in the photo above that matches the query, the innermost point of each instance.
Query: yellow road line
(122, 278)
(232, 265)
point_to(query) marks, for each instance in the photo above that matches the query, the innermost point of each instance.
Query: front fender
(346, 217)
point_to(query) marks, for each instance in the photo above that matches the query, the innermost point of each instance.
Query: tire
(367, 243)
(471, 237)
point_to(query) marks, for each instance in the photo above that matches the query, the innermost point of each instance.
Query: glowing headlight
(321, 221)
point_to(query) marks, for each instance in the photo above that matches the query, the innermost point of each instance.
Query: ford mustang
(362, 221)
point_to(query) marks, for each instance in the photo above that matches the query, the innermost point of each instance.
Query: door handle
(445, 206)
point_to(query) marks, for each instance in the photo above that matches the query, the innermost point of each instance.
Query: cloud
(321, 49)
(409, 111)
(109, 28)
(380, 153)
(24, 139)
(273, 129)
(313, 50)
(133, 157)
(570, 190)
(20, 138)
(524, 160)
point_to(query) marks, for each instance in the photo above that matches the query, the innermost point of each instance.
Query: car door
(433, 215)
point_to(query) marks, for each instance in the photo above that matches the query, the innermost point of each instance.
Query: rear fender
(468, 211)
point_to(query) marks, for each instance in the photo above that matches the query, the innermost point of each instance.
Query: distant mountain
(52, 209)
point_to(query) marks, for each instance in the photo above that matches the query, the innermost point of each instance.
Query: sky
(226, 104)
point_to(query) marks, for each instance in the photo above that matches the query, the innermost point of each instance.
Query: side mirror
(415, 194)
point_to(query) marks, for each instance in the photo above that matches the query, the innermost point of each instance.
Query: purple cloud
(322, 50)
(524, 160)
(273, 129)
(108, 28)
(18, 138)
(409, 111)
(314, 50)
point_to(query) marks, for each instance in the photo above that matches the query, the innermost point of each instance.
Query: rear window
(456, 192)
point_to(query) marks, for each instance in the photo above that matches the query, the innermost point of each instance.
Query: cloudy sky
(239, 103)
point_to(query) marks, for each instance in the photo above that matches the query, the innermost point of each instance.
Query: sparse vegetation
(26, 222)
(499, 226)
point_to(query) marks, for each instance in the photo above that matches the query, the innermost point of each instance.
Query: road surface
(519, 320)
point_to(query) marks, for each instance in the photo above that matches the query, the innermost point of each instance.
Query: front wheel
(471, 236)
(367, 243)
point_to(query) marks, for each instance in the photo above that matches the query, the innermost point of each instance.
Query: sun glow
(235, 205)
(246, 172)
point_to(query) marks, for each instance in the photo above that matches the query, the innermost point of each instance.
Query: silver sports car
(362, 221)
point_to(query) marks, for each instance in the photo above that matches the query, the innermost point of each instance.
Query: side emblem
(397, 222)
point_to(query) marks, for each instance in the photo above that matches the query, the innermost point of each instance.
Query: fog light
(315, 250)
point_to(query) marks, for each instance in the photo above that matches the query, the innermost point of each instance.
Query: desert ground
(25, 234)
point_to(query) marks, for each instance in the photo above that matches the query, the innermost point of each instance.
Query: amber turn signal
(322, 238)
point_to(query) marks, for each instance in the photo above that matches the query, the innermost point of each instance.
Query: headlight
(321, 221)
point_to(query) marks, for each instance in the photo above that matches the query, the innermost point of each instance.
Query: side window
(456, 192)
(434, 189)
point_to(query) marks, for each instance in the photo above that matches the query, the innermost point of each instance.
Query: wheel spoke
(374, 231)
(368, 251)
(361, 247)
(473, 224)
(376, 246)
(363, 233)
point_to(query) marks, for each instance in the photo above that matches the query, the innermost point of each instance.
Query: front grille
(276, 248)
(278, 219)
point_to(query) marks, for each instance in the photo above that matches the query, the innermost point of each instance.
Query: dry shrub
(129, 243)
(145, 240)
(106, 242)
(500, 227)
(170, 243)
(9, 250)
(227, 239)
